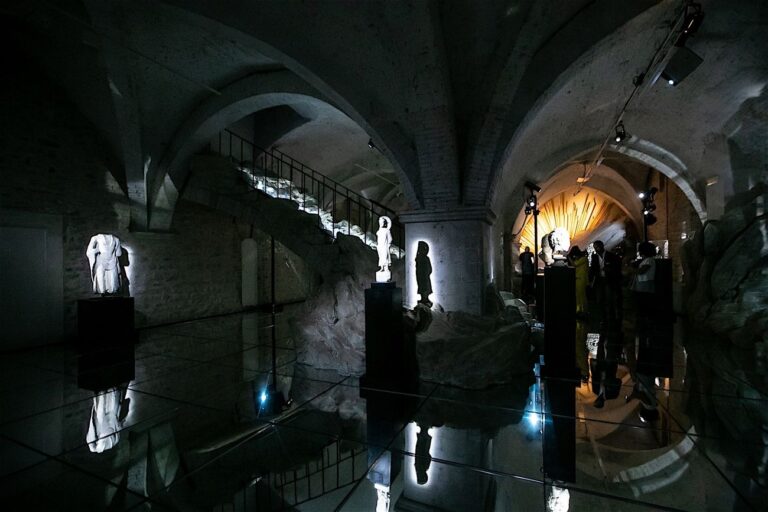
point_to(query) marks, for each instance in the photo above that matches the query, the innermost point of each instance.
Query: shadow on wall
(423, 273)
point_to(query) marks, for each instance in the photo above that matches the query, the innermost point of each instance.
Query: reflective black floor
(187, 430)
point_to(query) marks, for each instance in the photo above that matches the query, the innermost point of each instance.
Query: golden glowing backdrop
(587, 216)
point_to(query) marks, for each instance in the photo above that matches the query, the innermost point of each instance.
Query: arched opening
(606, 207)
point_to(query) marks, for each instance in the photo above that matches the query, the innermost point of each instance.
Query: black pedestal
(105, 321)
(539, 296)
(106, 338)
(560, 372)
(384, 340)
(657, 358)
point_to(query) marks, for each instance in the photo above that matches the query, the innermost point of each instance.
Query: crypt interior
(194, 197)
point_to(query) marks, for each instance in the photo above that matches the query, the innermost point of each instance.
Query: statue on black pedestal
(383, 241)
(103, 252)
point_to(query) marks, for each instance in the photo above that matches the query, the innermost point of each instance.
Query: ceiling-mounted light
(682, 63)
(641, 195)
(621, 132)
(693, 18)
(371, 145)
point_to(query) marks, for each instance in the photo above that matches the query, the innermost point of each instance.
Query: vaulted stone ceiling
(464, 99)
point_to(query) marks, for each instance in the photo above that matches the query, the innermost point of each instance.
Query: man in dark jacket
(605, 281)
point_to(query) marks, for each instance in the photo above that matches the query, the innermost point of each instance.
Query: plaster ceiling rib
(639, 83)
(117, 42)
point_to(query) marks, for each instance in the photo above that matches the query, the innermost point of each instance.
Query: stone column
(460, 252)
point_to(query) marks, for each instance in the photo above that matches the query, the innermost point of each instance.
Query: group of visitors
(600, 309)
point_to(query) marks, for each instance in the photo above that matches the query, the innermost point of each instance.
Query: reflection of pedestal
(384, 343)
(560, 372)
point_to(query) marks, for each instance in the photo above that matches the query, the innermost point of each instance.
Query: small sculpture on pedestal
(383, 241)
(103, 252)
(423, 273)
(554, 246)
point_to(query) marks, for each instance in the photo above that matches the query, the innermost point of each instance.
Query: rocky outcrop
(726, 266)
(474, 352)
(330, 330)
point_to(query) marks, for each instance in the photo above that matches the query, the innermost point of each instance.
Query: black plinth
(657, 359)
(560, 372)
(539, 296)
(384, 340)
(560, 323)
(106, 338)
(105, 321)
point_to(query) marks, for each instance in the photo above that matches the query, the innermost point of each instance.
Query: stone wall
(53, 162)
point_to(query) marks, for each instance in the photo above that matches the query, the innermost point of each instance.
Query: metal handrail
(309, 182)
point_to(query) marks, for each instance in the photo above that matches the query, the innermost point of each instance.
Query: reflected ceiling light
(680, 65)
(621, 132)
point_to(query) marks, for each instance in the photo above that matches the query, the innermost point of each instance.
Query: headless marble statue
(103, 253)
(383, 241)
(554, 246)
(104, 425)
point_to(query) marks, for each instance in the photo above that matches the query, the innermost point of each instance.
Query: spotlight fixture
(693, 18)
(532, 186)
(647, 197)
(680, 65)
(621, 132)
(371, 145)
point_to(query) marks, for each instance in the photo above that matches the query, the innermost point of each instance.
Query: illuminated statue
(423, 273)
(104, 426)
(383, 241)
(554, 246)
(103, 253)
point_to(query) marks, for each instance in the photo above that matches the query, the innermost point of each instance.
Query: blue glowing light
(533, 419)
(263, 396)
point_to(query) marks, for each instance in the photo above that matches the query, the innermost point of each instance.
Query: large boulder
(330, 329)
(743, 254)
(473, 352)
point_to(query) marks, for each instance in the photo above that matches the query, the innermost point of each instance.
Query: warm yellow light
(579, 215)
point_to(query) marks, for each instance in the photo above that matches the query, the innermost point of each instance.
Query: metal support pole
(274, 331)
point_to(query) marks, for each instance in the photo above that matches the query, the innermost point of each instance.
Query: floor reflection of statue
(107, 415)
(383, 242)
(423, 458)
(423, 273)
(103, 252)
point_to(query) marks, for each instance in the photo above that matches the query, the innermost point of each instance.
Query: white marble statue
(104, 425)
(103, 253)
(554, 246)
(383, 241)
